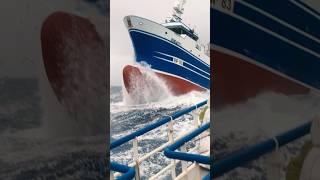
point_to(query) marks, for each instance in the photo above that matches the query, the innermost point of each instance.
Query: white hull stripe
(269, 32)
(183, 62)
(305, 9)
(167, 60)
(279, 21)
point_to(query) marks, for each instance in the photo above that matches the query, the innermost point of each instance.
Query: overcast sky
(196, 15)
(20, 48)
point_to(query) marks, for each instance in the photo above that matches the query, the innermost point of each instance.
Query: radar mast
(178, 11)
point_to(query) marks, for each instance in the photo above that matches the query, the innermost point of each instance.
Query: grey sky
(196, 15)
(20, 48)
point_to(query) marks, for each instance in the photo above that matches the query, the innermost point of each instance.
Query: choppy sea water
(127, 117)
(26, 153)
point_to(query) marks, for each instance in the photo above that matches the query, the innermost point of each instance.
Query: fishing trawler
(171, 50)
(259, 46)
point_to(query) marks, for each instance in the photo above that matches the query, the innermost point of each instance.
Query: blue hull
(284, 50)
(160, 53)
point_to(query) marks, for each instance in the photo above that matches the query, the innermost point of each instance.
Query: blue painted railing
(171, 152)
(237, 159)
(127, 172)
(150, 127)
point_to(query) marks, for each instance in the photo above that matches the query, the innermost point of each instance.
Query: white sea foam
(259, 118)
(267, 114)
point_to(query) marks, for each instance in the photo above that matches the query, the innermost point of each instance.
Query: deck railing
(127, 172)
(197, 159)
(134, 137)
(239, 158)
(155, 125)
(219, 167)
(171, 152)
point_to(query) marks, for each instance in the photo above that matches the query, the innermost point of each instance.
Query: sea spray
(151, 89)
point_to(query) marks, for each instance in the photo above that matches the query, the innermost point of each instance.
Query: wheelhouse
(181, 29)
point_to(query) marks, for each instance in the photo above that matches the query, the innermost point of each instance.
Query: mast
(178, 11)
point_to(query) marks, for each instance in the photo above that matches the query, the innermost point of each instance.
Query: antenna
(178, 10)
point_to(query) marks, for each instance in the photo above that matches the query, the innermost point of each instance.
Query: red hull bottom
(235, 80)
(177, 86)
(67, 41)
(72, 76)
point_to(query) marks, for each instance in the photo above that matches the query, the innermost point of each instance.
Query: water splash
(155, 89)
(121, 104)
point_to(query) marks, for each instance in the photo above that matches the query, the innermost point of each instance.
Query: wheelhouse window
(181, 29)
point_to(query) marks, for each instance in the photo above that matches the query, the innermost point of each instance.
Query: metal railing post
(196, 117)
(274, 165)
(184, 164)
(111, 175)
(136, 158)
(170, 137)
(198, 175)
